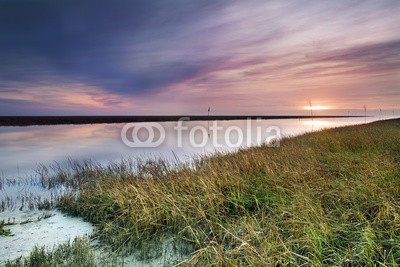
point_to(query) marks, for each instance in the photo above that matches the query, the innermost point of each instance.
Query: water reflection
(317, 123)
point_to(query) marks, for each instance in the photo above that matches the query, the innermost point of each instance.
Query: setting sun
(317, 107)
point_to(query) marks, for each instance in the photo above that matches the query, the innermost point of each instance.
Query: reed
(76, 253)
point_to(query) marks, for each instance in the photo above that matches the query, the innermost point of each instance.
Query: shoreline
(73, 120)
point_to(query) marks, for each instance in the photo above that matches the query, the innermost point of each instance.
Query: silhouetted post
(208, 118)
(312, 115)
(365, 113)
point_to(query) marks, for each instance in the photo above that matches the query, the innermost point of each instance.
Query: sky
(101, 57)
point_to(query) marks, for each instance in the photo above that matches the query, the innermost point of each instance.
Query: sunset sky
(101, 57)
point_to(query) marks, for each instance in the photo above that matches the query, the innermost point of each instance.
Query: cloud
(100, 43)
(226, 51)
(365, 60)
(67, 97)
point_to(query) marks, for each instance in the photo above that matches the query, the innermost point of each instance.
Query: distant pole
(312, 115)
(365, 113)
(208, 118)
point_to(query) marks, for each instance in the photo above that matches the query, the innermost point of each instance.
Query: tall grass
(76, 253)
(325, 198)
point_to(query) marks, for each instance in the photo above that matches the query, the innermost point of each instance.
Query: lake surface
(22, 149)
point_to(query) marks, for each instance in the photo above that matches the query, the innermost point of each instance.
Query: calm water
(22, 149)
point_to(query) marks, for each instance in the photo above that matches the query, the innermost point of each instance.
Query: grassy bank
(325, 198)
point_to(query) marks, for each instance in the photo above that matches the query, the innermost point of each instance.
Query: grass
(76, 253)
(4, 232)
(330, 198)
(80, 252)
